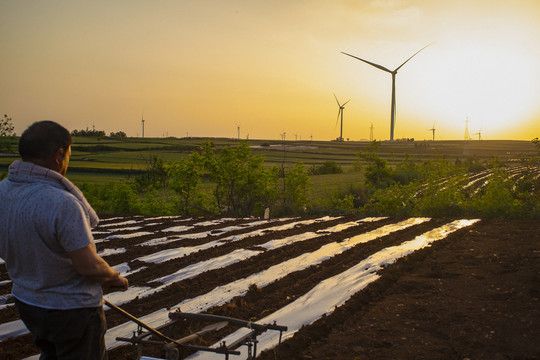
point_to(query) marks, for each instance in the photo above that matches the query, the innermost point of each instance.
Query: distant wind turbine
(394, 73)
(479, 133)
(433, 131)
(142, 120)
(340, 112)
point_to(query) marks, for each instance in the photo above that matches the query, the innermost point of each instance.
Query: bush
(119, 198)
(496, 199)
(297, 185)
(329, 167)
(154, 175)
(378, 174)
(406, 172)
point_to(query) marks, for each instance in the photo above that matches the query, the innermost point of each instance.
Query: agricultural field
(345, 286)
(124, 157)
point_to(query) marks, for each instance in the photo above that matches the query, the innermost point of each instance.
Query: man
(49, 251)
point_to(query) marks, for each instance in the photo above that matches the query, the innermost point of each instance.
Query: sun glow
(201, 69)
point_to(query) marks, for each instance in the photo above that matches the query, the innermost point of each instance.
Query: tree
(242, 183)
(297, 187)
(155, 174)
(535, 141)
(94, 133)
(186, 176)
(118, 134)
(6, 133)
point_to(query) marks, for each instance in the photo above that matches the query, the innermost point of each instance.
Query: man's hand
(117, 282)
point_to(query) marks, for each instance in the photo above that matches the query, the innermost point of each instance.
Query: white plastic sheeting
(222, 294)
(334, 291)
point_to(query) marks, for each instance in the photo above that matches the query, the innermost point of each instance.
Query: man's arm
(88, 264)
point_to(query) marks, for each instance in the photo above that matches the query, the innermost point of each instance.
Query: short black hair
(42, 140)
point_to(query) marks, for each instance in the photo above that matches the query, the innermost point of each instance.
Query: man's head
(47, 144)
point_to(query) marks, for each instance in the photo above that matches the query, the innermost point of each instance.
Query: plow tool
(171, 346)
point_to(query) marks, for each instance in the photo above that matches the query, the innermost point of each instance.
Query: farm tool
(172, 346)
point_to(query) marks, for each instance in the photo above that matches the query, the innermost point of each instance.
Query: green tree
(378, 174)
(154, 175)
(186, 178)
(6, 133)
(242, 183)
(93, 133)
(297, 186)
(118, 134)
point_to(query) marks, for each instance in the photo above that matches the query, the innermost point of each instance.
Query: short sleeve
(72, 225)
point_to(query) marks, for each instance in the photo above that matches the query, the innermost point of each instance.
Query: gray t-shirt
(40, 222)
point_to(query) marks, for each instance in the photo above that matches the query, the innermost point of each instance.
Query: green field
(107, 160)
(427, 178)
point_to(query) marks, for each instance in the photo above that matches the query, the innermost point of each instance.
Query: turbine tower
(371, 132)
(340, 112)
(142, 120)
(394, 73)
(433, 131)
(479, 133)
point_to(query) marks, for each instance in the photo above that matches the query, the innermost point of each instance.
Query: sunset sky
(202, 68)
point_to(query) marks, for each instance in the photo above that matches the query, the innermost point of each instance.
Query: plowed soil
(472, 295)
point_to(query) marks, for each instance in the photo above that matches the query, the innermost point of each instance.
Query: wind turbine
(394, 73)
(479, 133)
(433, 131)
(340, 112)
(142, 120)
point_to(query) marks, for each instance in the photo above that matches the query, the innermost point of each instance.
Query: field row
(212, 265)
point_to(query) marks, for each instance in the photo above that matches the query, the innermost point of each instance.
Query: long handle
(139, 322)
(220, 350)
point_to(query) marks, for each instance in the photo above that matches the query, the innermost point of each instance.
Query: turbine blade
(345, 103)
(411, 57)
(337, 100)
(337, 120)
(370, 63)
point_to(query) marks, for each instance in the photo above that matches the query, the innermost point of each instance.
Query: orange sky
(202, 68)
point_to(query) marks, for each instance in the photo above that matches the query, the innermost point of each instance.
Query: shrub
(495, 199)
(154, 175)
(297, 183)
(378, 174)
(406, 172)
(329, 167)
